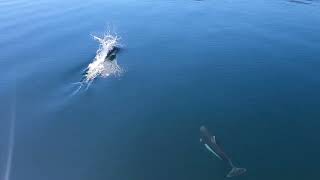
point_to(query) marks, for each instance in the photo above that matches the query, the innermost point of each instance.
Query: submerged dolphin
(210, 143)
(301, 1)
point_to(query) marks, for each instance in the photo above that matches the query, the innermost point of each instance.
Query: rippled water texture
(247, 70)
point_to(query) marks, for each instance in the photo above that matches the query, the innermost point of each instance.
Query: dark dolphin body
(112, 54)
(301, 1)
(210, 143)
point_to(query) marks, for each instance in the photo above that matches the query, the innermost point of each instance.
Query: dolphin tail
(236, 172)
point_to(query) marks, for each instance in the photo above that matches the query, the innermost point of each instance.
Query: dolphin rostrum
(211, 144)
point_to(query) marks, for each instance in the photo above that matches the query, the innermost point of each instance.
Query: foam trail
(101, 66)
(8, 167)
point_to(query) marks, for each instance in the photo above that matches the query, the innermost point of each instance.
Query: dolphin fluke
(236, 172)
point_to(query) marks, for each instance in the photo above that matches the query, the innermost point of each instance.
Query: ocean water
(247, 70)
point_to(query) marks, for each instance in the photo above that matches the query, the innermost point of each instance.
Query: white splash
(100, 66)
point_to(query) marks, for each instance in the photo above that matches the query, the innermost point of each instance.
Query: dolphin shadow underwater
(210, 143)
(301, 1)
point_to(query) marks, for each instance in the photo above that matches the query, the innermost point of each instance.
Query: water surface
(248, 70)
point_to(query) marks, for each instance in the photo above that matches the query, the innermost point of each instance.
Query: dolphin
(301, 1)
(211, 144)
(111, 55)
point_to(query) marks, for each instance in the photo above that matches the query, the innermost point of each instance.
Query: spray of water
(101, 66)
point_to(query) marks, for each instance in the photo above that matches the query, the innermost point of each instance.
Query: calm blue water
(248, 70)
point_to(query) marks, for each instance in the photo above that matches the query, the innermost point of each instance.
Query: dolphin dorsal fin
(213, 139)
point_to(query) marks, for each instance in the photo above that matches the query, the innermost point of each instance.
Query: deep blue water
(248, 70)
